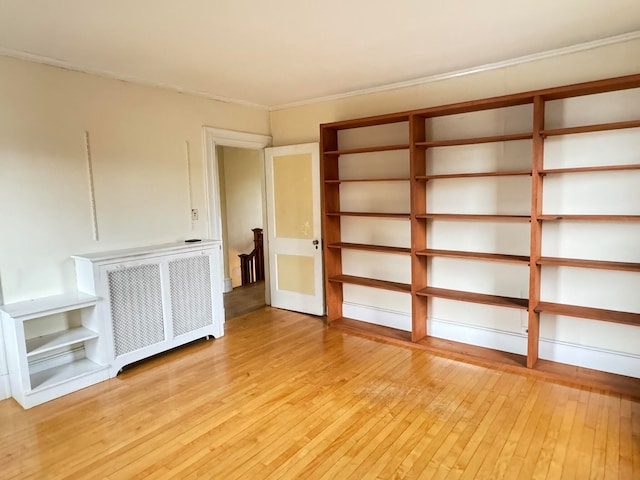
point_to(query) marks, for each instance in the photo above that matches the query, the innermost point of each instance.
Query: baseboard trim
(377, 316)
(610, 361)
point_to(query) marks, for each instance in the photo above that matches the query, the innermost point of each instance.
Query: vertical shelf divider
(330, 202)
(419, 313)
(533, 324)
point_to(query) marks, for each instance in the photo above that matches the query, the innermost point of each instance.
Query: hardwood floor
(283, 396)
(242, 300)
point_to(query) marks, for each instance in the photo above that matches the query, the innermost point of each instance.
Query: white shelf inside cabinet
(53, 341)
(45, 306)
(55, 376)
(39, 369)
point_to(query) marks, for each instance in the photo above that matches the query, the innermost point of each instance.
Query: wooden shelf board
(369, 214)
(370, 248)
(473, 175)
(613, 316)
(597, 264)
(397, 179)
(63, 373)
(486, 357)
(41, 307)
(483, 298)
(591, 88)
(491, 257)
(601, 127)
(372, 282)
(466, 216)
(585, 377)
(372, 121)
(473, 353)
(597, 218)
(504, 101)
(510, 100)
(381, 148)
(55, 340)
(600, 168)
(371, 330)
(476, 140)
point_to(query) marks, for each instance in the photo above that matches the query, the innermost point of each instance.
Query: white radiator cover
(155, 298)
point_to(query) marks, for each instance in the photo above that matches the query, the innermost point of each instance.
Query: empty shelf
(497, 300)
(472, 216)
(372, 282)
(597, 218)
(379, 332)
(472, 141)
(491, 257)
(359, 180)
(63, 373)
(509, 173)
(55, 340)
(598, 264)
(368, 214)
(370, 248)
(382, 148)
(613, 316)
(41, 307)
(590, 128)
(600, 168)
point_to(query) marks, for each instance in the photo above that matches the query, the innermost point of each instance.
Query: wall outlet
(194, 214)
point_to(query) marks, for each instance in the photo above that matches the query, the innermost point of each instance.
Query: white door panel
(294, 228)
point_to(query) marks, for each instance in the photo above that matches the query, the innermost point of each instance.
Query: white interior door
(293, 220)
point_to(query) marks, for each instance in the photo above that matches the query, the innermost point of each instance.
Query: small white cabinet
(130, 304)
(49, 356)
(155, 298)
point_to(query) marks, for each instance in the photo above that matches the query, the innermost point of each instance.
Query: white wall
(143, 190)
(601, 345)
(138, 147)
(243, 172)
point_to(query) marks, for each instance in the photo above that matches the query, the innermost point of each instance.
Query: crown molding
(354, 93)
(9, 52)
(580, 47)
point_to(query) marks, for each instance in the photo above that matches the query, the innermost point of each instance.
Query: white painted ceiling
(275, 52)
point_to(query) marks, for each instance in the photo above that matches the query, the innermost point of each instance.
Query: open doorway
(241, 183)
(237, 204)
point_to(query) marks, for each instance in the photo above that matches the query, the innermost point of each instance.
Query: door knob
(316, 242)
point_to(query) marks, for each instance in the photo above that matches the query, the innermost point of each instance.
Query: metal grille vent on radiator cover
(190, 285)
(136, 307)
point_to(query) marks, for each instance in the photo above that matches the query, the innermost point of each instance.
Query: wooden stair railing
(252, 264)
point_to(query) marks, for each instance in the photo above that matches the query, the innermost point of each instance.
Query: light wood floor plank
(561, 444)
(586, 440)
(550, 441)
(548, 421)
(519, 420)
(455, 452)
(522, 451)
(612, 461)
(569, 465)
(281, 396)
(503, 424)
(635, 440)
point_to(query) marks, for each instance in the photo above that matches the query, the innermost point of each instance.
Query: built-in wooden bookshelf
(421, 218)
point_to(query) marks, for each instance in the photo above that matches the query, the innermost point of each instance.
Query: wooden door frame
(214, 137)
